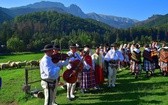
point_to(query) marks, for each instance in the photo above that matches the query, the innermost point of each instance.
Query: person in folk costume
(113, 57)
(127, 55)
(131, 62)
(147, 60)
(49, 74)
(154, 55)
(136, 61)
(121, 49)
(162, 45)
(58, 62)
(87, 79)
(101, 49)
(163, 60)
(73, 56)
(98, 60)
(106, 49)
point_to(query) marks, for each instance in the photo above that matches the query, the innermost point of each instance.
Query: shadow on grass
(123, 103)
(128, 91)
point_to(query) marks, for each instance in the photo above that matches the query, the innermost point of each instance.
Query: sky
(134, 9)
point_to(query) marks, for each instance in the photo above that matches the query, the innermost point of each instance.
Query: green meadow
(128, 90)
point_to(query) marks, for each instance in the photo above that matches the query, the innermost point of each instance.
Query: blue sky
(135, 9)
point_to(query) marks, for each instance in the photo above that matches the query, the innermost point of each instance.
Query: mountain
(154, 21)
(114, 21)
(48, 6)
(4, 16)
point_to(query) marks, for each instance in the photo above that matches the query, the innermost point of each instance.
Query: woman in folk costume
(98, 60)
(154, 55)
(131, 62)
(87, 79)
(121, 49)
(136, 61)
(128, 55)
(125, 54)
(147, 61)
(163, 60)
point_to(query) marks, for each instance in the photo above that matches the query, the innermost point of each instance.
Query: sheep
(33, 63)
(20, 64)
(4, 65)
(12, 65)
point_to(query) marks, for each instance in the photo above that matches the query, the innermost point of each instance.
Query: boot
(147, 74)
(72, 90)
(68, 90)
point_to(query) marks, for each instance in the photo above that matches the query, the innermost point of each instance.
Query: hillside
(4, 16)
(36, 29)
(155, 21)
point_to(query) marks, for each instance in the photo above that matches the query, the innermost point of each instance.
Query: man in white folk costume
(49, 75)
(113, 57)
(73, 57)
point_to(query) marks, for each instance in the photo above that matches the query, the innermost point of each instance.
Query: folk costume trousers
(49, 92)
(70, 90)
(112, 71)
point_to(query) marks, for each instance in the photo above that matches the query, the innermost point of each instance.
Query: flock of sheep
(19, 64)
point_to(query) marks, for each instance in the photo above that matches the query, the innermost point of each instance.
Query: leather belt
(49, 80)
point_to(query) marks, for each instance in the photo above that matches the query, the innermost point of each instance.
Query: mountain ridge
(74, 10)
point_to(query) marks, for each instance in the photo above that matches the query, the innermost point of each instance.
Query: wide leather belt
(113, 63)
(49, 80)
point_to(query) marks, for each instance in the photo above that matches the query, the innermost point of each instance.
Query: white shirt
(113, 55)
(75, 56)
(48, 69)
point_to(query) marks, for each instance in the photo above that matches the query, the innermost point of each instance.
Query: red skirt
(99, 77)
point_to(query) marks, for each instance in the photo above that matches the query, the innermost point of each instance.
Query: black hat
(73, 45)
(56, 47)
(114, 45)
(146, 45)
(86, 46)
(48, 47)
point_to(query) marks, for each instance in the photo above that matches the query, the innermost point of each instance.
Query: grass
(128, 91)
(20, 57)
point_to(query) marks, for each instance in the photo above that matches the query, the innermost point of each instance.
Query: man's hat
(56, 47)
(72, 45)
(114, 45)
(48, 47)
(86, 46)
(146, 45)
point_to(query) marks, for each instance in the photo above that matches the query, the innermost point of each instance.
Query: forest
(32, 31)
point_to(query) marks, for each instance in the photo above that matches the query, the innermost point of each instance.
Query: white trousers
(49, 93)
(70, 90)
(111, 76)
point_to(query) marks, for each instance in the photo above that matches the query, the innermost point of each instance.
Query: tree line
(32, 31)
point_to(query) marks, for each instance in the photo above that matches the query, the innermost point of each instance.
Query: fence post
(26, 87)
(0, 82)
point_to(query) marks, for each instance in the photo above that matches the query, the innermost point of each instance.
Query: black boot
(147, 76)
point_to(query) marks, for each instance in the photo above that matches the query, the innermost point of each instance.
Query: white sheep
(4, 65)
